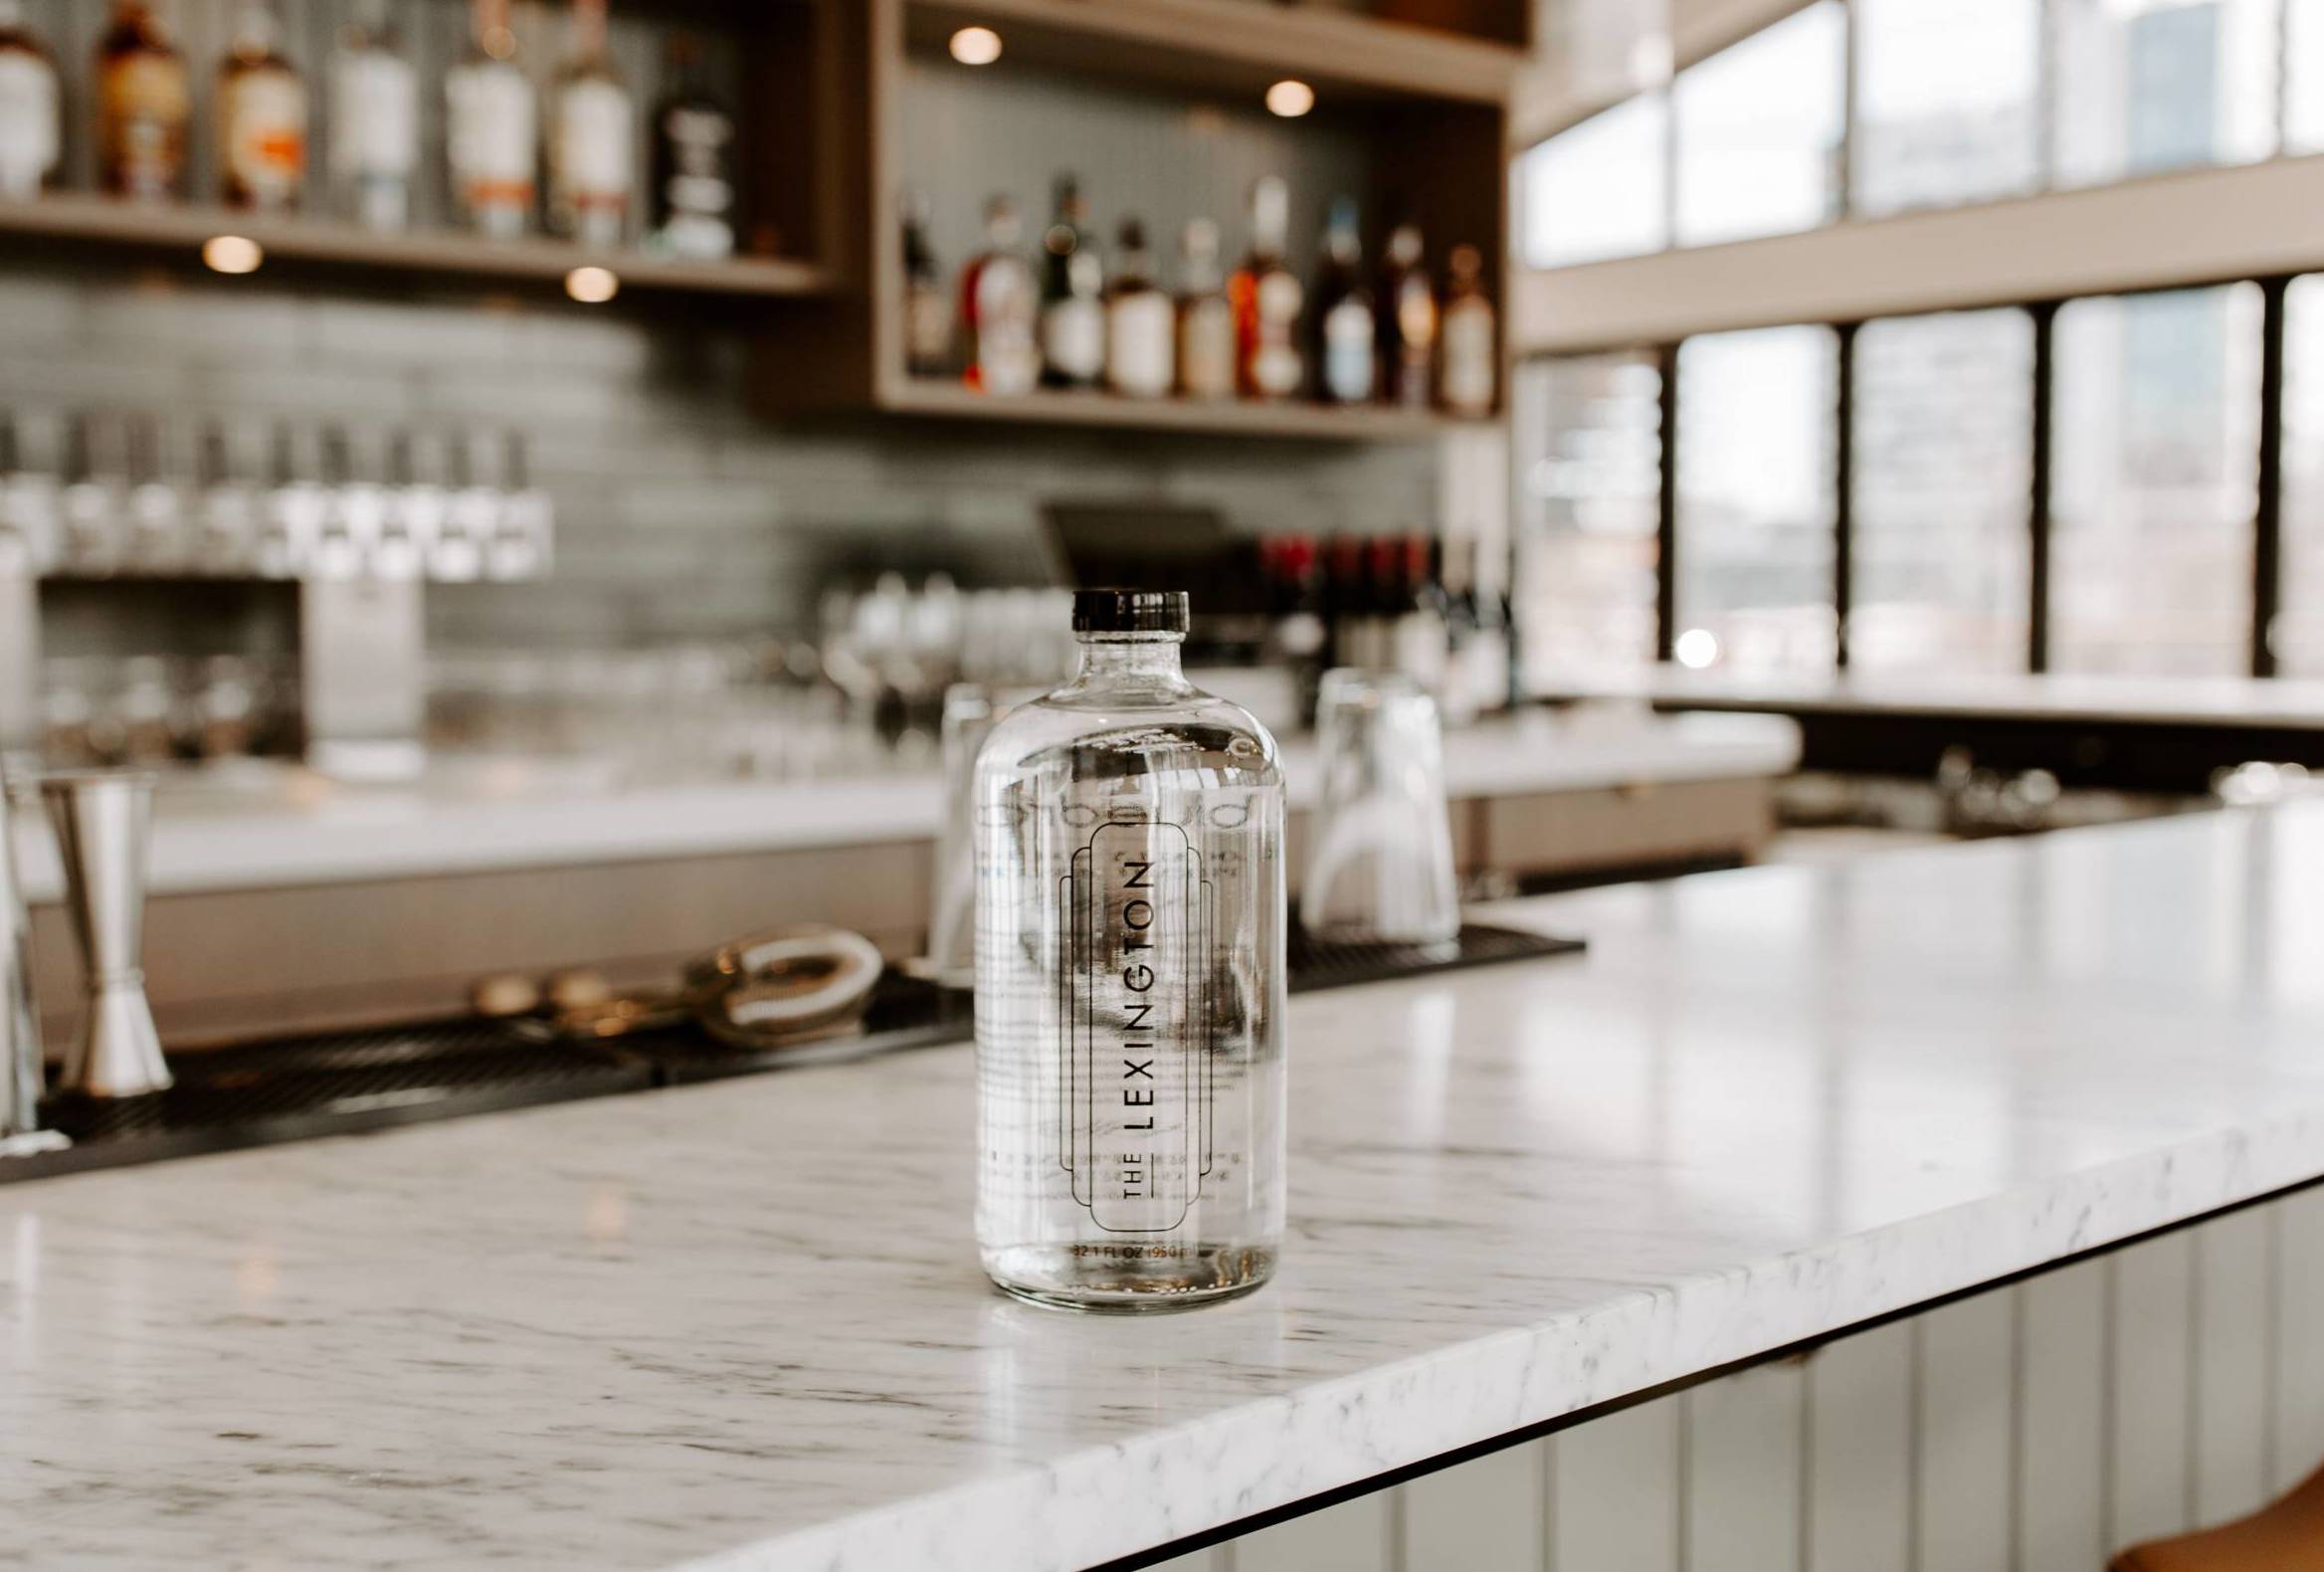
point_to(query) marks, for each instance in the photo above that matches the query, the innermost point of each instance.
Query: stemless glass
(1380, 841)
(969, 712)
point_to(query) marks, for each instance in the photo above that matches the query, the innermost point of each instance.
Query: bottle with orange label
(261, 117)
(491, 128)
(144, 99)
(1266, 297)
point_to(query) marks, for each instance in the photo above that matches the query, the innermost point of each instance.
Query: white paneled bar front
(2198, 227)
(2046, 1424)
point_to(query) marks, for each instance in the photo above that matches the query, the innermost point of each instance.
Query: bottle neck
(1131, 659)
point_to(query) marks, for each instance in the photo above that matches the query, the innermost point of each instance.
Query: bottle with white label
(1072, 289)
(1468, 379)
(1345, 355)
(693, 207)
(491, 130)
(374, 122)
(261, 117)
(998, 308)
(1141, 323)
(1206, 318)
(1267, 297)
(31, 134)
(592, 138)
(144, 103)
(1129, 980)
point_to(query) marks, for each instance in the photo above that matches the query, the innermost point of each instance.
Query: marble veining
(741, 1325)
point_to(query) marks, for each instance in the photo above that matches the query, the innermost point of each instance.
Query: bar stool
(2287, 1536)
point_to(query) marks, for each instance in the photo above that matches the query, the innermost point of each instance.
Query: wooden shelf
(951, 401)
(1232, 44)
(176, 234)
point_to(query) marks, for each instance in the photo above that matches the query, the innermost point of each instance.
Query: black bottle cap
(1129, 611)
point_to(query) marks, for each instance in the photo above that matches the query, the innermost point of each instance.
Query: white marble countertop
(296, 828)
(741, 1325)
(2287, 703)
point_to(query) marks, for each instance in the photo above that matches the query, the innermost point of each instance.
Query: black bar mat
(302, 1088)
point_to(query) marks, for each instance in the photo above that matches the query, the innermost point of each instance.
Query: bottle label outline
(1136, 1085)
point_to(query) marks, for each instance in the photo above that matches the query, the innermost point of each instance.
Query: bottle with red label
(261, 117)
(1000, 307)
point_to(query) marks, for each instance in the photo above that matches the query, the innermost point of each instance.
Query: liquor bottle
(225, 518)
(1419, 632)
(415, 512)
(1345, 353)
(592, 138)
(374, 121)
(1407, 306)
(1000, 309)
(154, 539)
(28, 509)
(523, 544)
(1266, 299)
(1129, 981)
(472, 518)
(31, 127)
(342, 541)
(1468, 380)
(93, 505)
(1298, 639)
(1141, 352)
(1073, 287)
(492, 127)
(1206, 318)
(692, 193)
(144, 99)
(290, 516)
(927, 317)
(261, 117)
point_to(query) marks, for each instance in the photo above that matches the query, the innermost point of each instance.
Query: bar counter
(742, 1326)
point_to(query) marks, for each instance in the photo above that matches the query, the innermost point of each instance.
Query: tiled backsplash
(680, 513)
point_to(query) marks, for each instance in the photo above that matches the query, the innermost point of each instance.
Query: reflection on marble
(741, 1325)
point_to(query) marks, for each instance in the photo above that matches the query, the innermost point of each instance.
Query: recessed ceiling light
(1290, 97)
(1696, 649)
(592, 285)
(976, 46)
(233, 254)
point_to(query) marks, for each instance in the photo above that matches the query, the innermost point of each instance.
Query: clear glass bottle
(1129, 983)
(374, 122)
(31, 128)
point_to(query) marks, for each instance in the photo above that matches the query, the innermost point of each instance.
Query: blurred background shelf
(1353, 423)
(176, 234)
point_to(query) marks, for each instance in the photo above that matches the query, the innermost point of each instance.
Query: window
(1590, 485)
(2153, 84)
(1759, 130)
(2303, 75)
(1947, 96)
(2154, 485)
(1943, 483)
(1599, 190)
(2297, 636)
(1753, 569)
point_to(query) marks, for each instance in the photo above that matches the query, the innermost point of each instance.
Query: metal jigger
(21, 1069)
(103, 821)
